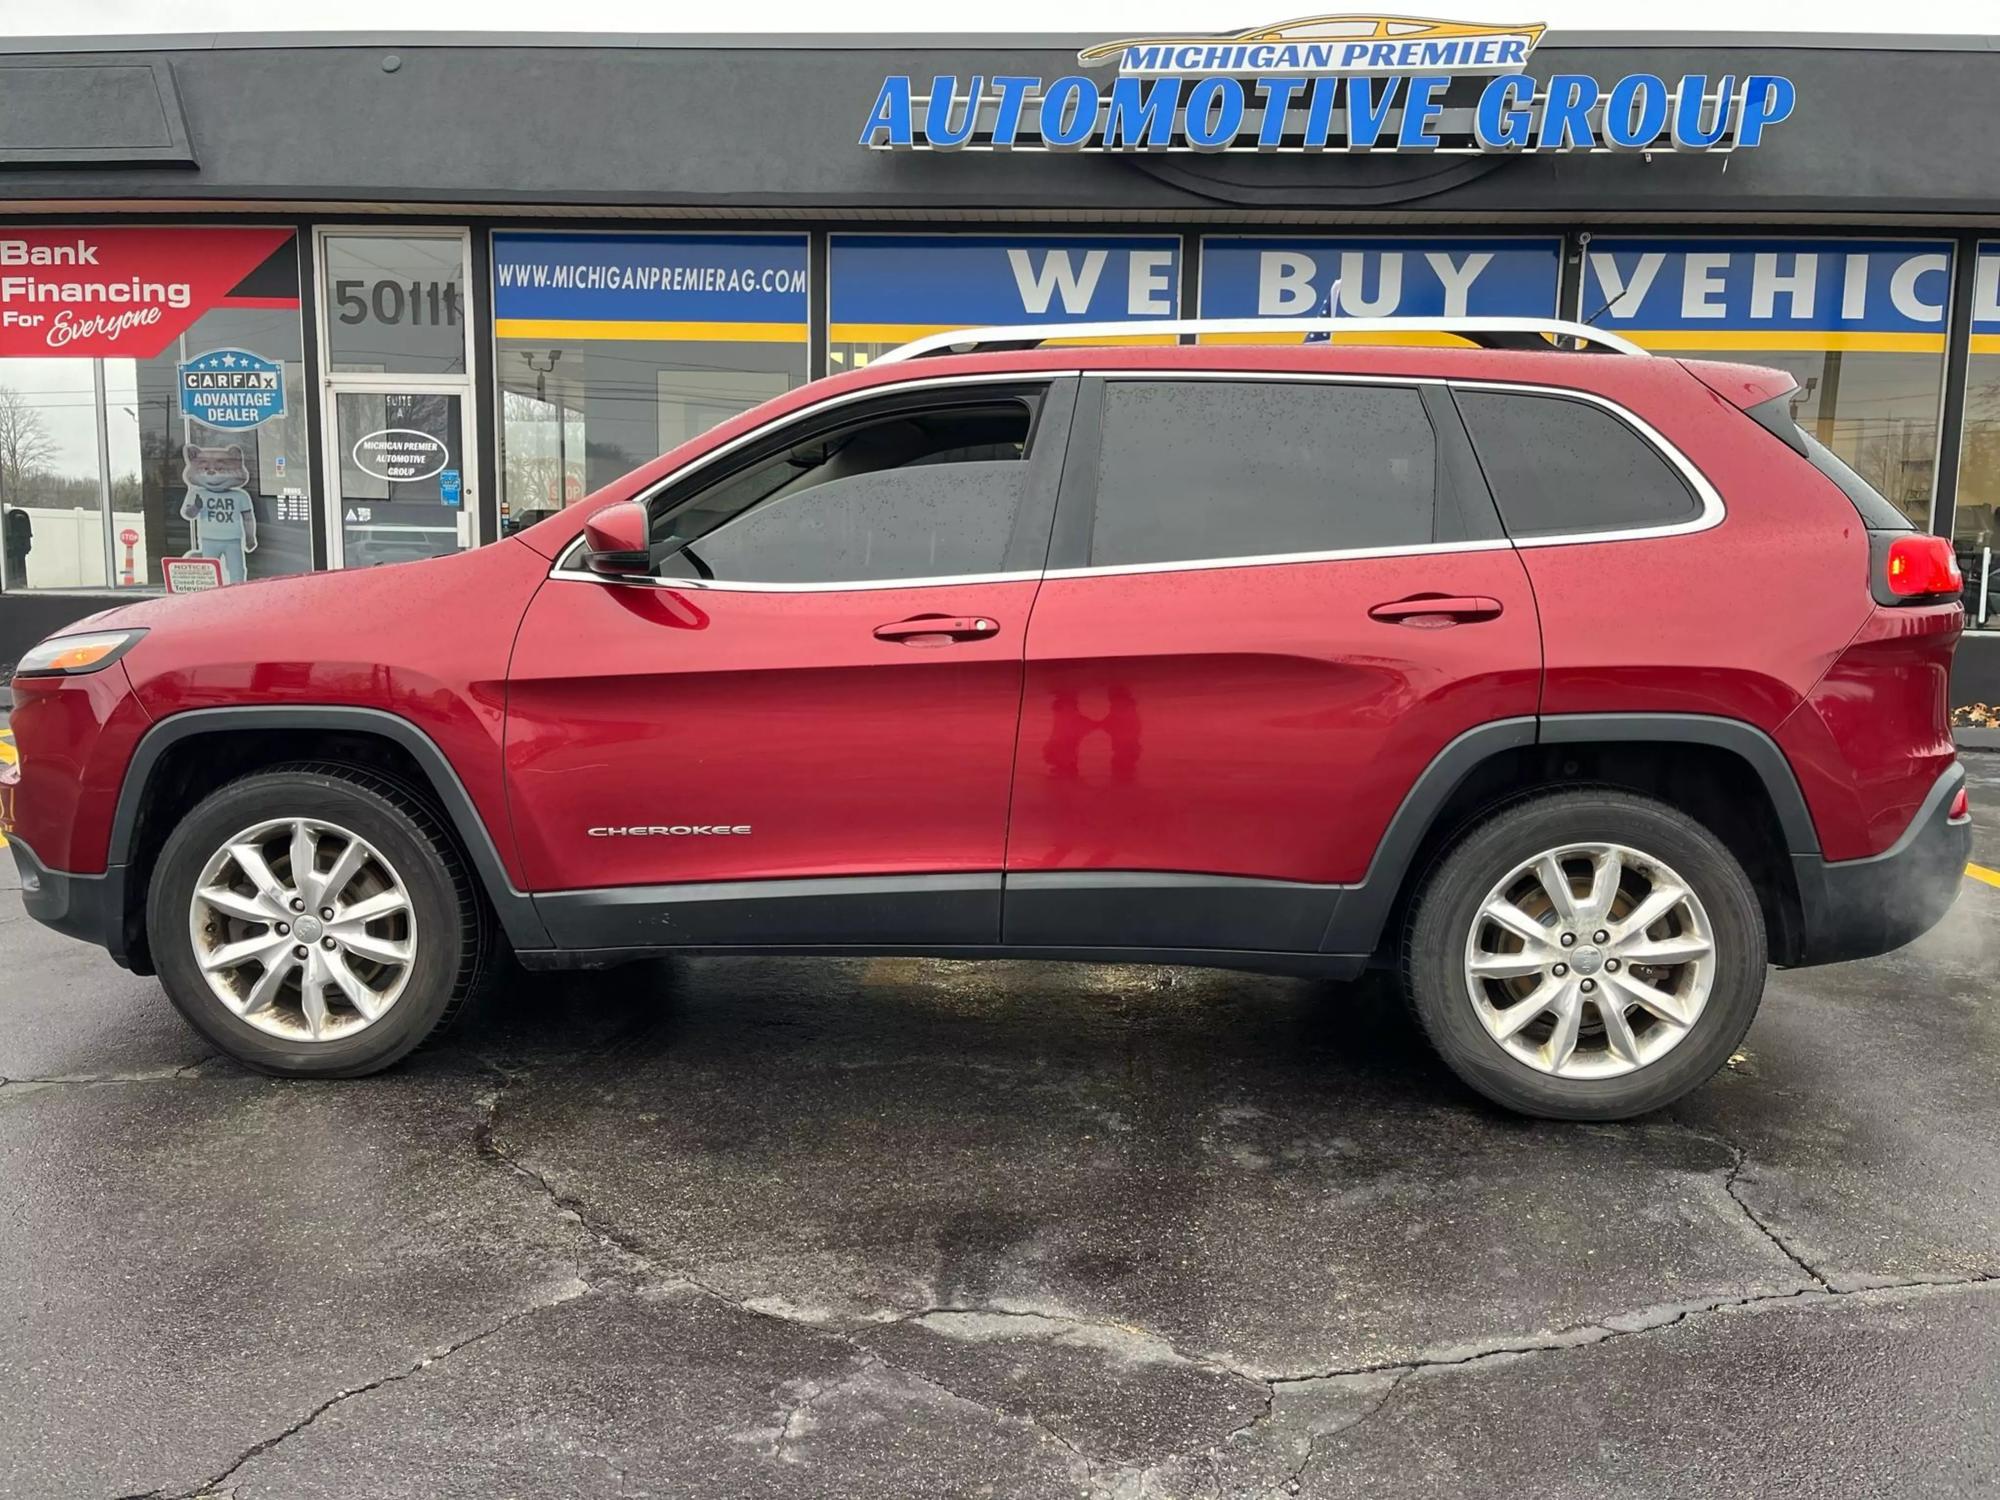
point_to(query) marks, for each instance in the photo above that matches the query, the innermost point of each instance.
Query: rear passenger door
(1271, 603)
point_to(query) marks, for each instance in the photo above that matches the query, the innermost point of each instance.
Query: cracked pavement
(743, 1227)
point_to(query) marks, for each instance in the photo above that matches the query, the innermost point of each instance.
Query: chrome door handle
(937, 630)
(1437, 609)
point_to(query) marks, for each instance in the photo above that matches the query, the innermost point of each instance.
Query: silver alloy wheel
(303, 929)
(1590, 961)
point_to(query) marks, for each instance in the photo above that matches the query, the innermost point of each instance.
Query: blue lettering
(889, 121)
(1421, 108)
(1144, 59)
(1767, 99)
(1319, 113)
(1513, 52)
(1278, 94)
(1351, 53)
(1688, 131)
(1009, 95)
(938, 129)
(1382, 55)
(1502, 122)
(1069, 113)
(1214, 113)
(1141, 111)
(1566, 112)
(1636, 111)
(1366, 115)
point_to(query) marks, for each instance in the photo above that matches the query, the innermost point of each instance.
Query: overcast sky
(1116, 17)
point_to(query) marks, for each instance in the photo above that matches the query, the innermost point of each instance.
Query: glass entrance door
(402, 481)
(395, 327)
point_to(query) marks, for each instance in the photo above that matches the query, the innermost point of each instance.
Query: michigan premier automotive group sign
(1327, 83)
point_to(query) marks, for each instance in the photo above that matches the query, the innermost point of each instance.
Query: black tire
(1449, 900)
(458, 948)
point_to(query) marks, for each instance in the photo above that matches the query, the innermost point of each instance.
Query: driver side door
(800, 728)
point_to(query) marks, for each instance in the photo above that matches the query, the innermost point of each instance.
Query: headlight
(74, 655)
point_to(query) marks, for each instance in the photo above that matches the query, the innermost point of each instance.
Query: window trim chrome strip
(1713, 510)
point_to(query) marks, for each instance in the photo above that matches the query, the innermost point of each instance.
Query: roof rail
(1486, 333)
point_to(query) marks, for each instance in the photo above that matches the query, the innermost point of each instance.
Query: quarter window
(1558, 466)
(1199, 469)
(916, 493)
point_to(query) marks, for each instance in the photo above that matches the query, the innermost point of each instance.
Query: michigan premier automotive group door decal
(1793, 294)
(700, 287)
(1269, 276)
(1326, 83)
(887, 288)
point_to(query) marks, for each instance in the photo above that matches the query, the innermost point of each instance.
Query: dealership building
(278, 303)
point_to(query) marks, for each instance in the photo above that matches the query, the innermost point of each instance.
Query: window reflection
(579, 414)
(1877, 411)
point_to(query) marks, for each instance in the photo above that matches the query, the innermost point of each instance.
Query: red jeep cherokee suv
(1580, 686)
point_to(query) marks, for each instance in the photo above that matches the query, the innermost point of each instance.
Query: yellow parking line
(1980, 872)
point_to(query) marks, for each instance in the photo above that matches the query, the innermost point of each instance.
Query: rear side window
(1195, 469)
(1878, 512)
(1558, 466)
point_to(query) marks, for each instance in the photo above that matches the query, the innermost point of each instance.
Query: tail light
(1922, 565)
(1908, 567)
(1961, 807)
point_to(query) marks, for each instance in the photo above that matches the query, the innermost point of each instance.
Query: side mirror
(617, 541)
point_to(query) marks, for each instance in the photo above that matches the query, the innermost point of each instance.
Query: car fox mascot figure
(225, 521)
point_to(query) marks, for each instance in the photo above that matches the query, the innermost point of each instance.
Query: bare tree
(25, 445)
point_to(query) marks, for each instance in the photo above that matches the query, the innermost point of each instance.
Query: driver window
(917, 493)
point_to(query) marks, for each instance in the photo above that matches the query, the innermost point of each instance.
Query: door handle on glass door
(1436, 609)
(937, 630)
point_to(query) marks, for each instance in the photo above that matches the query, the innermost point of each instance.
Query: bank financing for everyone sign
(1327, 83)
(887, 288)
(723, 287)
(91, 292)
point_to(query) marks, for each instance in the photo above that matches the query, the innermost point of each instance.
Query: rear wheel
(316, 921)
(1586, 955)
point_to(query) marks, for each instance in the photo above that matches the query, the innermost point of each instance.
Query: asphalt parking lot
(734, 1227)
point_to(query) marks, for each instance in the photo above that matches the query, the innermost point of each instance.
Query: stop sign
(129, 537)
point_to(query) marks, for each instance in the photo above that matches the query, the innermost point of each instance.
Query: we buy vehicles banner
(128, 293)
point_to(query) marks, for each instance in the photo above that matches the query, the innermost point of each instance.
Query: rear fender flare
(1362, 910)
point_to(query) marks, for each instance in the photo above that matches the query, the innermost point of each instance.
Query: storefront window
(612, 348)
(887, 289)
(1975, 532)
(1860, 324)
(1263, 276)
(395, 304)
(151, 407)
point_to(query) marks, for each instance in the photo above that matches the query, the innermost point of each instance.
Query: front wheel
(316, 920)
(1586, 955)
